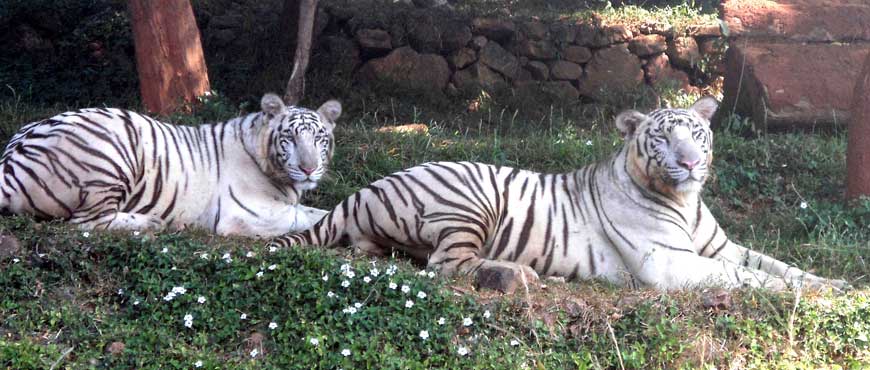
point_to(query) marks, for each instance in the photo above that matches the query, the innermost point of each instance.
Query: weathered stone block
(683, 52)
(494, 28)
(405, 67)
(798, 20)
(538, 70)
(612, 70)
(499, 59)
(646, 45)
(565, 70)
(577, 54)
(374, 41)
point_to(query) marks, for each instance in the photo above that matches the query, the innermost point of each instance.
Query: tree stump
(858, 150)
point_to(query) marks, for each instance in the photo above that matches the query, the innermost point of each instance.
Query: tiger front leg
(119, 221)
(676, 270)
(460, 253)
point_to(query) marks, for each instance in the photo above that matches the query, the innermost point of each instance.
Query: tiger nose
(689, 163)
(307, 170)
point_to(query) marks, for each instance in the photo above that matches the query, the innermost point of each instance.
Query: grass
(73, 299)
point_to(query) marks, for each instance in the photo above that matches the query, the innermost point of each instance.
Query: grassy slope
(62, 303)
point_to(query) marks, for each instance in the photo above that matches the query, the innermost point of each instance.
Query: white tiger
(636, 218)
(106, 168)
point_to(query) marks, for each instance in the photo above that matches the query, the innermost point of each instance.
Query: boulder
(646, 45)
(454, 36)
(798, 20)
(499, 59)
(562, 33)
(704, 30)
(406, 68)
(535, 30)
(613, 69)
(538, 70)
(577, 54)
(791, 84)
(494, 28)
(374, 41)
(658, 71)
(462, 58)
(683, 52)
(424, 32)
(478, 75)
(536, 49)
(565, 70)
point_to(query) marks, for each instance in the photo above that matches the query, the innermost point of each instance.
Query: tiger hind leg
(101, 210)
(460, 252)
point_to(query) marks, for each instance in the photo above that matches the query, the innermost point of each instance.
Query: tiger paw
(505, 278)
(136, 221)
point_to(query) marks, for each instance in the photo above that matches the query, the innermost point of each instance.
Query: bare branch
(296, 84)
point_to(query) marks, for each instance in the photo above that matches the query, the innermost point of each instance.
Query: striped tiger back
(107, 168)
(635, 219)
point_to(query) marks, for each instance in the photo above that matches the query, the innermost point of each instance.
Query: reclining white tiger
(106, 168)
(636, 218)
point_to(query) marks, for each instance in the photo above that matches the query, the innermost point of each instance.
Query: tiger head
(669, 151)
(300, 140)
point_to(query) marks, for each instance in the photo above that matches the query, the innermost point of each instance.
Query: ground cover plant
(73, 299)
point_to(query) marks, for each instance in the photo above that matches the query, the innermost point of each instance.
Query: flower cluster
(176, 291)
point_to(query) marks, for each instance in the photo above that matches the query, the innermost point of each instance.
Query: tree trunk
(858, 151)
(168, 53)
(296, 84)
(290, 26)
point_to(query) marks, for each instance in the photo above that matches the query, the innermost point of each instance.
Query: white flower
(120, 291)
(374, 272)
(462, 351)
(169, 296)
(345, 352)
(350, 274)
(243, 316)
(804, 205)
(357, 305)
(486, 314)
(136, 302)
(442, 321)
(226, 257)
(166, 250)
(16, 260)
(405, 289)
(179, 290)
(330, 294)
(514, 342)
(367, 279)
(588, 142)
(260, 274)
(431, 274)
(409, 303)
(421, 294)
(391, 269)
(272, 267)
(273, 249)
(421, 273)
(204, 256)
(273, 325)
(136, 233)
(392, 285)
(345, 284)
(197, 364)
(424, 334)
(188, 320)
(249, 254)
(466, 321)
(344, 267)
(314, 341)
(86, 234)
(200, 300)
(254, 352)
(325, 277)
(351, 310)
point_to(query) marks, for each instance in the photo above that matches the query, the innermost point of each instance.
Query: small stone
(538, 70)
(499, 278)
(717, 299)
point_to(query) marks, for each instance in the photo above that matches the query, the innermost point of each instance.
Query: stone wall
(438, 49)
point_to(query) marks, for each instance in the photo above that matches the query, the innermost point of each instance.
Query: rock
(711, 46)
(588, 34)
(424, 33)
(782, 85)
(478, 42)
(462, 58)
(658, 71)
(683, 52)
(646, 45)
(479, 76)
(577, 54)
(564, 70)
(614, 69)
(429, 3)
(657, 28)
(616, 34)
(407, 68)
(9, 246)
(494, 29)
(499, 59)
(455, 35)
(562, 33)
(540, 50)
(374, 41)
(535, 30)
(717, 299)
(538, 70)
(503, 279)
(704, 30)
(798, 20)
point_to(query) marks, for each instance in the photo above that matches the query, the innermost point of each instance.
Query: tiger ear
(627, 122)
(330, 110)
(705, 107)
(272, 104)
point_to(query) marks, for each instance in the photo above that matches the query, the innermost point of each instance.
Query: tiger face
(670, 150)
(301, 140)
